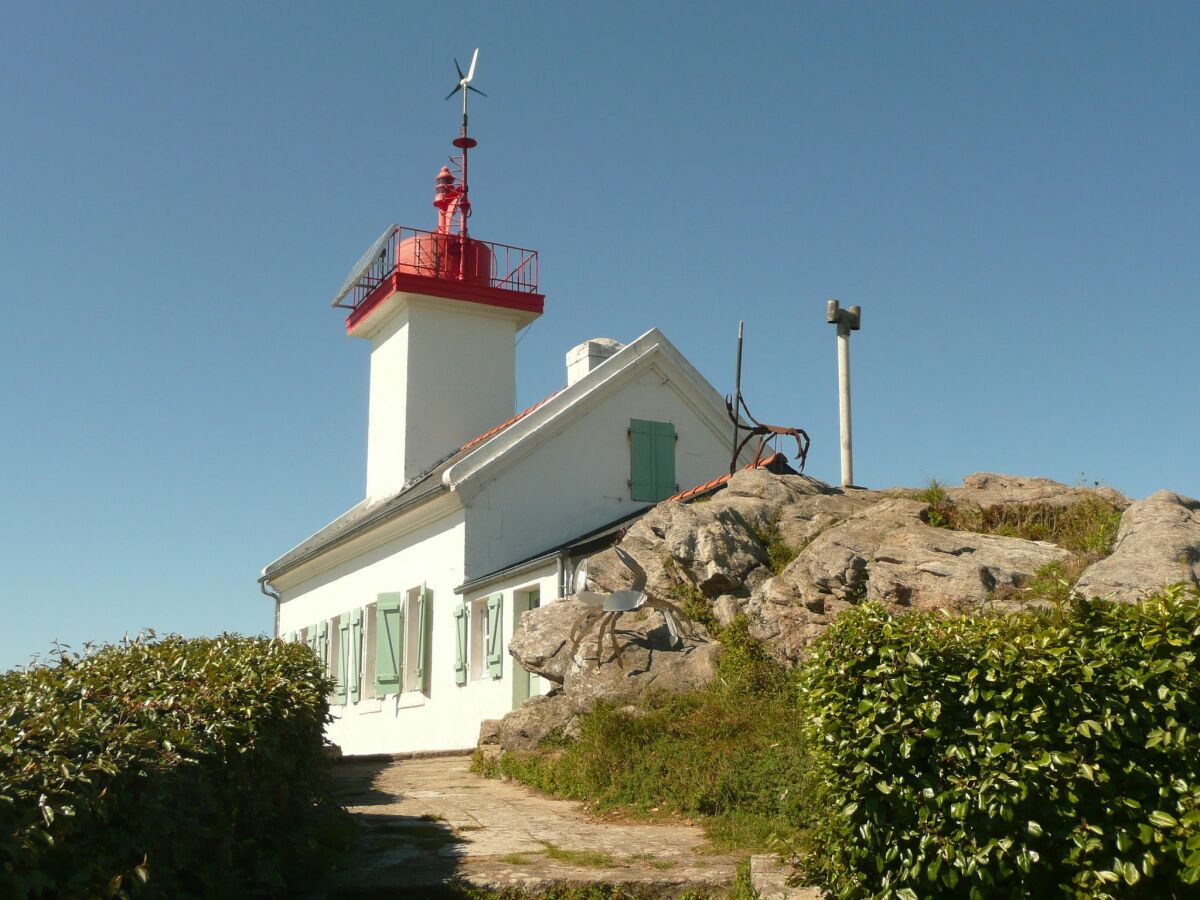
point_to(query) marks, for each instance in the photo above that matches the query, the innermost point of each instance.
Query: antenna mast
(460, 206)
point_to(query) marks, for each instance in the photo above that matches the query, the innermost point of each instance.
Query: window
(651, 460)
(369, 650)
(461, 614)
(479, 638)
(487, 637)
(418, 622)
(389, 643)
(339, 641)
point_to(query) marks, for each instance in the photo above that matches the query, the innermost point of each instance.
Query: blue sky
(1009, 191)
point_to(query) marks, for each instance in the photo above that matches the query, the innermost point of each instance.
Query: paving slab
(432, 822)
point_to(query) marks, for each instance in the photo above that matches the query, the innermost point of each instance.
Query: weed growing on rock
(779, 554)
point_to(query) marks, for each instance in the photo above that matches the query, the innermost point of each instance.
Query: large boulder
(641, 662)
(933, 568)
(541, 642)
(1158, 543)
(801, 522)
(887, 553)
(533, 721)
(830, 574)
(991, 489)
(833, 569)
(711, 546)
(646, 664)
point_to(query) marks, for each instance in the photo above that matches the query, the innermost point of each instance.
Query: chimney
(584, 357)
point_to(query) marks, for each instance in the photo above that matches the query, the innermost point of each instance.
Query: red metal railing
(447, 257)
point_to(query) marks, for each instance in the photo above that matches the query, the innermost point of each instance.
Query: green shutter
(323, 643)
(460, 644)
(389, 643)
(495, 647)
(651, 460)
(664, 460)
(343, 669)
(356, 622)
(641, 460)
(424, 626)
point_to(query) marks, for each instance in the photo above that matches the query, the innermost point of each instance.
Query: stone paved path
(431, 821)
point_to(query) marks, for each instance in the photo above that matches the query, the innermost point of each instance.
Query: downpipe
(274, 595)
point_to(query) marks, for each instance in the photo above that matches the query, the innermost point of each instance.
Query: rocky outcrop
(713, 547)
(933, 568)
(887, 553)
(646, 663)
(989, 489)
(849, 546)
(527, 725)
(1158, 543)
(541, 643)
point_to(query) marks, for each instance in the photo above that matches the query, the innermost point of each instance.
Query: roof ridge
(492, 432)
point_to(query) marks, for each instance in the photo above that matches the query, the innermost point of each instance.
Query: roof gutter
(382, 515)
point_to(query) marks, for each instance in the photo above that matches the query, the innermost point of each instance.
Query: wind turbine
(464, 83)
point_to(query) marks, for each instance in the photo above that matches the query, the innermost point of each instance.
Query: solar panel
(377, 253)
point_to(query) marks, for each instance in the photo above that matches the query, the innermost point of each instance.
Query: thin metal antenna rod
(737, 391)
(846, 320)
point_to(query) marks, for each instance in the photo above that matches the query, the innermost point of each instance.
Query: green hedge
(1041, 755)
(165, 768)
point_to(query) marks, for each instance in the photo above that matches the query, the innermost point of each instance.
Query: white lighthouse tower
(441, 310)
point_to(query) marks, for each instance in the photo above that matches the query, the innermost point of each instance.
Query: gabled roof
(492, 448)
(365, 514)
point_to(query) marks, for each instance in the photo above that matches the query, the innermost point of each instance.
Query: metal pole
(843, 336)
(737, 398)
(846, 320)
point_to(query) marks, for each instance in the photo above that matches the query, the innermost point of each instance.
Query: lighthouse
(441, 310)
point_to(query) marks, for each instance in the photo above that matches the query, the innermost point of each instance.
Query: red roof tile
(492, 432)
(717, 482)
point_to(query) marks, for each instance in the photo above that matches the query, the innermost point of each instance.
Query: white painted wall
(442, 372)
(577, 479)
(448, 717)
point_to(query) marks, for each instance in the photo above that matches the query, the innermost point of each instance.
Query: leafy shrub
(1042, 755)
(165, 767)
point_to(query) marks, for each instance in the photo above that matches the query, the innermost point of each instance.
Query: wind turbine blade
(476, 90)
(474, 59)
(457, 88)
(458, 68)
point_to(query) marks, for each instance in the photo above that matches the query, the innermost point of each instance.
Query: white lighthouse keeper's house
(472, 514)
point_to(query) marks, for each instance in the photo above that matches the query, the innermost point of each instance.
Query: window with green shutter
(389, 643)
(355, 669)
(495, 647)
(419, 637)
(460, 643)
(343, 657)
(651, 460)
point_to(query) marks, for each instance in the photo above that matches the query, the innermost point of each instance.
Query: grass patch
(516, 859)
(691, 601)
(729, 756)
(595, 858)
(1087, 528)
(427, 832)
(779, 553)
